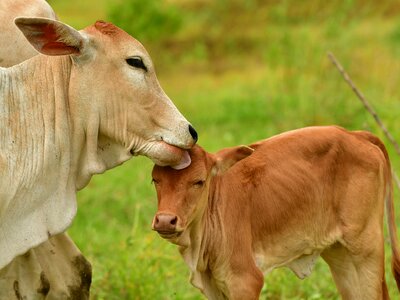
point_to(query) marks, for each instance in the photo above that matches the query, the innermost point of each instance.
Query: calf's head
(183, 194)
(113, 91)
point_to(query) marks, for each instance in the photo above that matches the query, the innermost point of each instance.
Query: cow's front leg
(68, 272)
(55, 269)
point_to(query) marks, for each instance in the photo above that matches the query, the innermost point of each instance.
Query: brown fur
(311, 192)
(106, 28)
(390, 209)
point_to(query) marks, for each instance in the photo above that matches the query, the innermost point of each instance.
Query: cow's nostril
(193, 133)
(174, 220)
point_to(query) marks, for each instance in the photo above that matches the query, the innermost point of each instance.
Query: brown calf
(284, 201)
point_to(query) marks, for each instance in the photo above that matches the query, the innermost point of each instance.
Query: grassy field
(239, 73)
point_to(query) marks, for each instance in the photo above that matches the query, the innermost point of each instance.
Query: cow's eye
(154, 181)
(136, 62)
(198, 183)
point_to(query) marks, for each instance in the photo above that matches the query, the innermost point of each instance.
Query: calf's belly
(299, 253)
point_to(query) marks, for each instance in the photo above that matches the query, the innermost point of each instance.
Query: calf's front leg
(245, 282)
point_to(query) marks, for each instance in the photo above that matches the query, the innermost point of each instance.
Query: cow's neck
(94, 150)
(34, 97)
(37, 192)
(49, 148)
(39, 88)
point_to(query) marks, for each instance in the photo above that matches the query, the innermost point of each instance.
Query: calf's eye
(198, 183)
(136, 62)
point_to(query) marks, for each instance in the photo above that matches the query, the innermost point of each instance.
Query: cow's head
(183, 194)
(114, 94)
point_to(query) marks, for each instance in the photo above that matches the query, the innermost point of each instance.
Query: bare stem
(368, 107)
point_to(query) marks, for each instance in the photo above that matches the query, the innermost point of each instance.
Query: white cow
(65, 118)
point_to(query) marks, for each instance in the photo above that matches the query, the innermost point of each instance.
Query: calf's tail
(389, 208)
(392, 227)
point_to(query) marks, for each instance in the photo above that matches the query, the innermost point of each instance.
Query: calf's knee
(247, 287)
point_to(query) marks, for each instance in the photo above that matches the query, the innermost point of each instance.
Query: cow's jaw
(162, 153)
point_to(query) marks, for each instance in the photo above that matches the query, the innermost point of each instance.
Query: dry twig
(369, 109)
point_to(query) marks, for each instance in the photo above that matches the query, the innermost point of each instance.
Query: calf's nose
(165, 222)
(193, 133)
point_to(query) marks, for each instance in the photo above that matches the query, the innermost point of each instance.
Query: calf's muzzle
(165, 223)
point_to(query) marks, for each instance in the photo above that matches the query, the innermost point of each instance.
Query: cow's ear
(226, 158)
(51, 37)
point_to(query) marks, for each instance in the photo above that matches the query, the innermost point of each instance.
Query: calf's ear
(51, 37)
(226, 158)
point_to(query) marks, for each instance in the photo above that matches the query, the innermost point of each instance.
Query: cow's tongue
(178, 158)
(185, 161)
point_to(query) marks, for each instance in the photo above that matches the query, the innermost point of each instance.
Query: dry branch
(369, 108)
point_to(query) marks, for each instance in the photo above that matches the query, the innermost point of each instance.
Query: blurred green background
(239, 71)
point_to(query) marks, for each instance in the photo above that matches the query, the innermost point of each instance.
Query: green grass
(239, 82)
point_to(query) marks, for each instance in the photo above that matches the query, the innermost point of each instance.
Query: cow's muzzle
(193, 133)
(166, 225)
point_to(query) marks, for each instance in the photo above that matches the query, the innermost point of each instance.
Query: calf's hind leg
(358, 276)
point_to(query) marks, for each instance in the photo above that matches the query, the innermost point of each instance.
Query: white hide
(55, 269)
(66, 118)
(36, 189)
